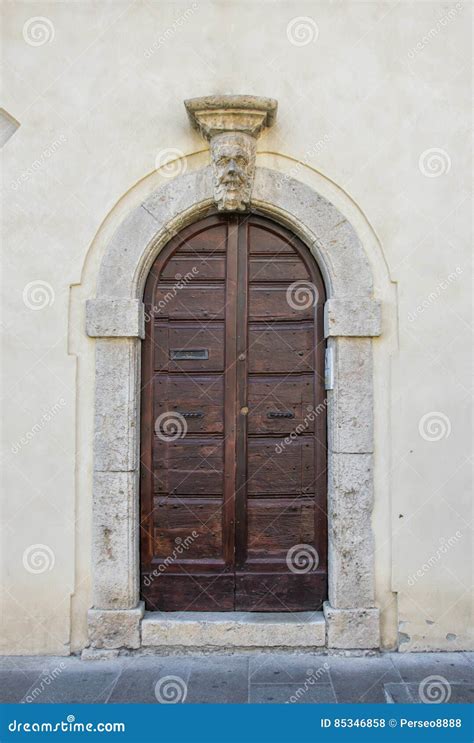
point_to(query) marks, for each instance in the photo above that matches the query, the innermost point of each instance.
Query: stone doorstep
(234, 629)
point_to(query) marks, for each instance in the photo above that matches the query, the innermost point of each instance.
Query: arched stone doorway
(116, 318)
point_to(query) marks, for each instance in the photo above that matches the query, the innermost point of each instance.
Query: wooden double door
(233, 460)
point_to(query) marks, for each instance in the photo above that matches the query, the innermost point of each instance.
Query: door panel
(233, 453)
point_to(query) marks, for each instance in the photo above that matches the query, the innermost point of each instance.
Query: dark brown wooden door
(233, 482)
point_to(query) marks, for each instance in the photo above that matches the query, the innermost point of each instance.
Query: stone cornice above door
(215, 114)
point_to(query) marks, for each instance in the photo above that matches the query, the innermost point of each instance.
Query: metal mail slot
(186, 354)
(277, 414)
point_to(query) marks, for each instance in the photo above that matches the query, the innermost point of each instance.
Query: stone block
(115, 540)
(233, 629)
(113, 629)
(352, 629)
(116, 412)
(119, 318)
(357, 317)
(351, 402)
(350, 538)
(334, 240)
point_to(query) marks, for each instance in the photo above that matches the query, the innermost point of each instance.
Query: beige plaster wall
(366, 91)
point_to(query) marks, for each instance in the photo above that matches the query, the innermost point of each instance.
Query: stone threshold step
(234, 629)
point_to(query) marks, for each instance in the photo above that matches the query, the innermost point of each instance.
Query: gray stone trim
(353, 317)
(108, 318)
(350, 538)
(233, 629)
(352, 629)
(350, 409)
(116, 629)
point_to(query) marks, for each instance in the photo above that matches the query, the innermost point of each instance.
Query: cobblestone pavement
(240, 678)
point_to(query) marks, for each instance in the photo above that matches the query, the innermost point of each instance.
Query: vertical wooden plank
(242, 408)
(230, 401)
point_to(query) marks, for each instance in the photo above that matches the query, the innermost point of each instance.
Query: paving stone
(284, 668)
(218, 680)
(415, 667)
(79, 687)
(410, 694)
(317, 693)
(360, 680)
(14, 684)
(398, 693)
(139, 679)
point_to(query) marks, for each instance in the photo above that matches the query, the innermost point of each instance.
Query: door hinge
(329, 369)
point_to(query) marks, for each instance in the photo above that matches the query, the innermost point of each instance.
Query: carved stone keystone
(232, 124)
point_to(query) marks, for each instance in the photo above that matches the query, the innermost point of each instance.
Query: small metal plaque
(185, 354)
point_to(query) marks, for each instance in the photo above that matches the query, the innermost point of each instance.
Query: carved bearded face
(233, 160)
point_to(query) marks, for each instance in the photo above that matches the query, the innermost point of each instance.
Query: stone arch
(116, 319)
